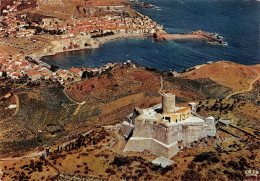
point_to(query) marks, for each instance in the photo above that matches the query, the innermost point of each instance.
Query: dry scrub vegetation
(108, 99)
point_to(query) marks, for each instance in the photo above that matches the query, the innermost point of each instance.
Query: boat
(224, 43)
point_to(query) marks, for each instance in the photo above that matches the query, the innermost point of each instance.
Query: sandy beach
(114, 37)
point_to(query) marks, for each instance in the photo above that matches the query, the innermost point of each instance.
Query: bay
(238, 22)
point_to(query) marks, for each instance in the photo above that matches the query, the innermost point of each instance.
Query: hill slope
(235, 76)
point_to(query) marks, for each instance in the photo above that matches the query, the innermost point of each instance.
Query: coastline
(82, 29)
(107, 39)
(94, 44)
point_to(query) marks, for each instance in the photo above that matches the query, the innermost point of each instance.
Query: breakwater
(210, 37)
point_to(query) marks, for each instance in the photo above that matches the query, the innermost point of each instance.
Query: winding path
(161, 88)
(248, 89)
(64, 91)
(34, 154)
(75, 102)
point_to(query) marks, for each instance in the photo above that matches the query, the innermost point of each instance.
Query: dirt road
(248, 89)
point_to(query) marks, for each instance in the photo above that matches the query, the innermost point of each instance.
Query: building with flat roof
(165, 129)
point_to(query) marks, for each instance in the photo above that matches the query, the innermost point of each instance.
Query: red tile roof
(75, 70)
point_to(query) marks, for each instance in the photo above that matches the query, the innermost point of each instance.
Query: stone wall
(126, 128)
(162, 140)
(77, 43)
(154, 146)
(64, 45)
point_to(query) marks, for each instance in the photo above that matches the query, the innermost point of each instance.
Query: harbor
(210, 37)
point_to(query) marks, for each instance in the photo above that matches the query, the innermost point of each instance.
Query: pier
(210, 37)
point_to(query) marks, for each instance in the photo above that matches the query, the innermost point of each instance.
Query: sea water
(238, 22)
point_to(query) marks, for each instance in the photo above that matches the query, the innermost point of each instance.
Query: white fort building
(165, 129)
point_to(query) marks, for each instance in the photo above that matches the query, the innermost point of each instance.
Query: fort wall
(163, 140)
(166, 129)
(152, 145)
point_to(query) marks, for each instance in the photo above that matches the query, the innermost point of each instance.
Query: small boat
(224, 43)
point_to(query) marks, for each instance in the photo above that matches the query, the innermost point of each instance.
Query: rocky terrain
(49, 114)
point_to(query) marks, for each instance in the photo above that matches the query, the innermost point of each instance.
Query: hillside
(47, 113)
(235, 76)
(51, 116)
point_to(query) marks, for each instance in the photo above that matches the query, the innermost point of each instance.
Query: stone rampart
(162, 139)
(138, 144)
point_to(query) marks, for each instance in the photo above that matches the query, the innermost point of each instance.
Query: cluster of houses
(16, 25)
(115, 24)
(17, 5)
(17, 67)
(83, 26)
(93, 26)
(18, 35)
(10, 8)
(12, 27)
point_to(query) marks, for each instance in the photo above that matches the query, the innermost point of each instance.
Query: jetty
(141, 4)
(210, 37)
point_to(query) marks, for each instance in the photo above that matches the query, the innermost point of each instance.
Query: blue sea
(238, 22)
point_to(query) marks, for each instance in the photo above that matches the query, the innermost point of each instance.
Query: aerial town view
(129, 90)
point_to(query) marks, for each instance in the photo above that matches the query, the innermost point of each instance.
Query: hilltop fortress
(165, 129)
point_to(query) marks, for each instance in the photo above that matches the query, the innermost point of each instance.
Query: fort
(165, 129)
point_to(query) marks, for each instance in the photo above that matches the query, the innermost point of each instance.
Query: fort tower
(168, 103)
